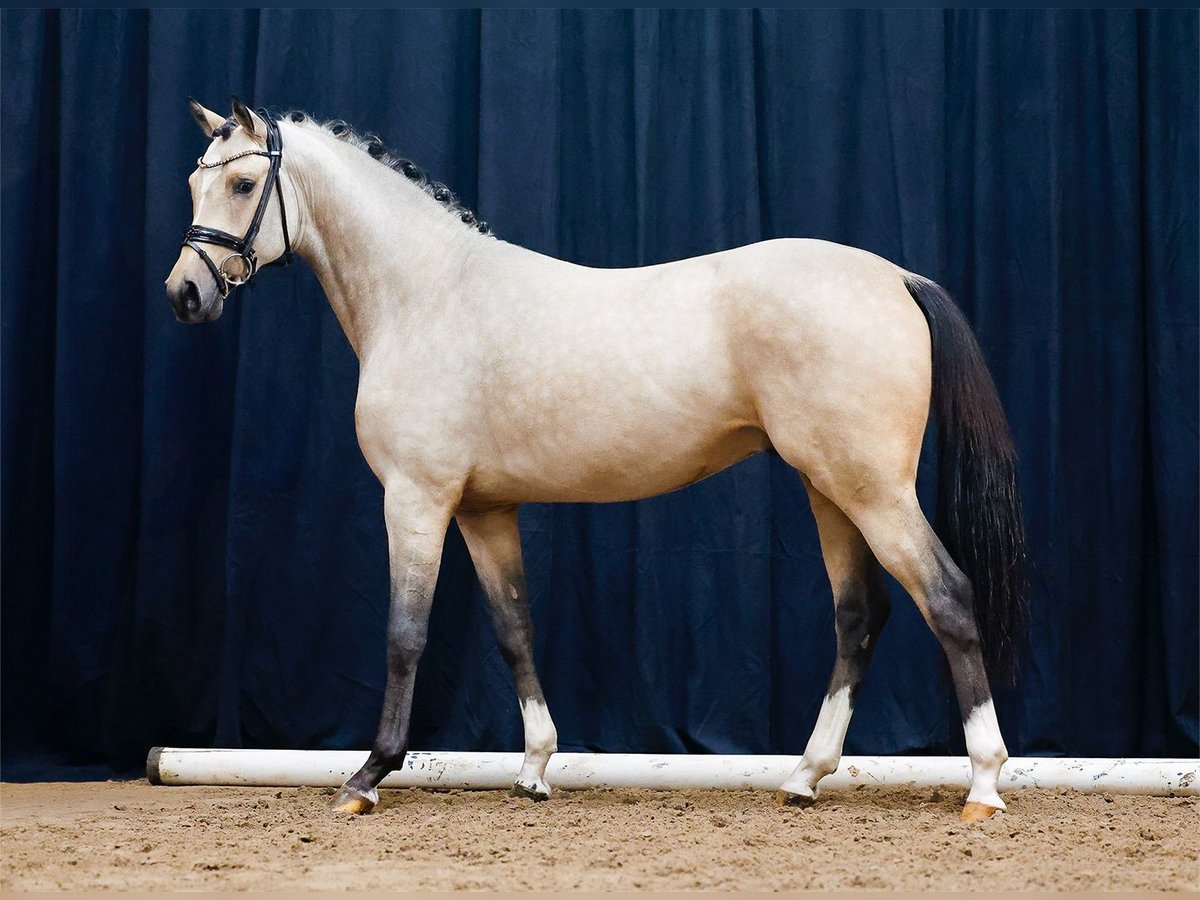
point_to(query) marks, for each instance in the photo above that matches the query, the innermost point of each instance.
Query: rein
(243, 247)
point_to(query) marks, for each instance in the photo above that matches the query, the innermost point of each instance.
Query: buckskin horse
(492, 376)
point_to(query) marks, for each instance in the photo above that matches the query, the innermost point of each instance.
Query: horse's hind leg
(906, 545)
(495, 546)
(861, 608)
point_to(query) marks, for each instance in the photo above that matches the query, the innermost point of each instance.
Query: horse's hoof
(977, 812)
(787, 798)
(353, 803)
(537, 791)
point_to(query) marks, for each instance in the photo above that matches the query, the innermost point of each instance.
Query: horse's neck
(381, 248)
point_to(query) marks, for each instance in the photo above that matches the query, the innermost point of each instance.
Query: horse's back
(612, 384)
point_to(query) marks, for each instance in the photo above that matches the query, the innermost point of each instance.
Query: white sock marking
(986, 748)
(824, 749)
(541, 740)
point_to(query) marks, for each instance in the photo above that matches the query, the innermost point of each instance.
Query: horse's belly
(554, 471)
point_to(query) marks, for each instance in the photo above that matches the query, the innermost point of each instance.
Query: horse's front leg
(495, 546)
(416, 526)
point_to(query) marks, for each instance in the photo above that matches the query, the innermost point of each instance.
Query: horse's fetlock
(389, 755)
(821, 764)
(992, 757)
(544, 744)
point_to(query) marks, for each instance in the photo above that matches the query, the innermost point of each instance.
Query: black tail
(979, 506)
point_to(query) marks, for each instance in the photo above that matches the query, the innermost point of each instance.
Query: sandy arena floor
(133, 836)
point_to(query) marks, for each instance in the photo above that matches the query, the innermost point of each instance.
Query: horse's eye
(243, 186)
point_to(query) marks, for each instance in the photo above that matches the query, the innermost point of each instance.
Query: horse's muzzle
(190, 305)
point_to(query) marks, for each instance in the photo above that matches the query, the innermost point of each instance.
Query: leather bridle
(243, 247)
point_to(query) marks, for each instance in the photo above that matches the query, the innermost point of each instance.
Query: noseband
(243, 247)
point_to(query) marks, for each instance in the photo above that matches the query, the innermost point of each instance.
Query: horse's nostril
(191, 297)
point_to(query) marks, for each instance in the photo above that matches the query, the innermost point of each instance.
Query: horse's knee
(405, 645)
(408, 624)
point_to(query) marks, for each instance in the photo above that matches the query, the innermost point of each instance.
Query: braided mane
(373, 147)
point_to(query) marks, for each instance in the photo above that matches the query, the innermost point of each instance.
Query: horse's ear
(208, 120)
(247, 118)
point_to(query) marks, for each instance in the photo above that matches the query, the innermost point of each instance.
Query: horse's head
(235, 225)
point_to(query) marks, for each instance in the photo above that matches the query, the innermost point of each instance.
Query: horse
(491, 375)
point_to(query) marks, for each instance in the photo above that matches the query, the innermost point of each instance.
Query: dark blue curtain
(193, 548)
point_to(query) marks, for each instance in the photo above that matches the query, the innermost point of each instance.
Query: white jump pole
(579, 771)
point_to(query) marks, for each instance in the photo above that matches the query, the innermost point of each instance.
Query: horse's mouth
(192, 309)
(211, 314)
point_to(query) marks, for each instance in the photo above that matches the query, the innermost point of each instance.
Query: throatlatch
(243, 247)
